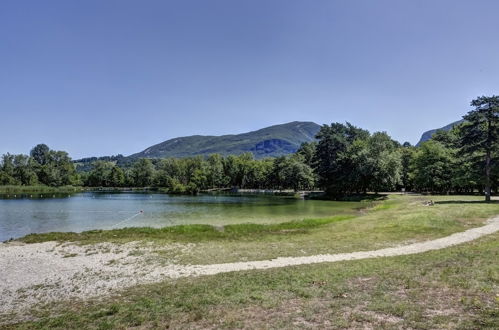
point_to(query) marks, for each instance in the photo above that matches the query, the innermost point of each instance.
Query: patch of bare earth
(44, 272)
(300, 313)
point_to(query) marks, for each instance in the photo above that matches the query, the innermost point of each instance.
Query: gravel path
(44, 272)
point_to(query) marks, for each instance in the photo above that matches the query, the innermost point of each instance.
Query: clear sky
(101, 77)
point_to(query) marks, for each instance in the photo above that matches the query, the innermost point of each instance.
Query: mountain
(271, 141)
(427, 135)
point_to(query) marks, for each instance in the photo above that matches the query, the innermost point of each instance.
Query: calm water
(94, 210)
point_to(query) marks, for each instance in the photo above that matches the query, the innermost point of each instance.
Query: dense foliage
(351, 160)
(42, 166)
(343, 160)
(190, 175)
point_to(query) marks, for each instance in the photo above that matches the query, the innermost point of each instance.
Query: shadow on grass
(467, 202)
(351, 198)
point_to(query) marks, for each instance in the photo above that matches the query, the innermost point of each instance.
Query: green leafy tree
(24, 170)
(333, 166)
(142, 172)
(432, 167)
(307, 152)
(98, 176)
(292, 173)
(258, 174)
(465, 171)
(7, 170)
(298, 175)
(116, 177)
(406, 156)
(40, 154)
(480, 136)
(383, 163)
(216, 175)
(237, 169)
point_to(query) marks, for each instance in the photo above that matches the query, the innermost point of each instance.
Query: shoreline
(50, 271)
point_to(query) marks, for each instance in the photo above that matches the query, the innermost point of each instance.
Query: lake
(105, 210)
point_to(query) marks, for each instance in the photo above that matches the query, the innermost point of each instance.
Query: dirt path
(44, 272)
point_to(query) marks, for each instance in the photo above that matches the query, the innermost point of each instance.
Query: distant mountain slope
(427, 135)
(271, 141)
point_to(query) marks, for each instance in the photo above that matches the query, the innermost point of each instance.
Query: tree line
(193, 174)
(343, 160)
(41, 166)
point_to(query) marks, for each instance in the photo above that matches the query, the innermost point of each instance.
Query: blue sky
(106, 77)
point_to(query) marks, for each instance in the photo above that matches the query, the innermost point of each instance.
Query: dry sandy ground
(44, 272)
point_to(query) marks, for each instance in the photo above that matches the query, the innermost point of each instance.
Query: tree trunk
(487, 176)
(488, 158)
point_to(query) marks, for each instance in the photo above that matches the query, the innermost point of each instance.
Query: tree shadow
(351, 198)
(467, 202)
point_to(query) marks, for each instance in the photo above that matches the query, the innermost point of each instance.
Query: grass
(183, 233)
(39, 189)
(450, 288)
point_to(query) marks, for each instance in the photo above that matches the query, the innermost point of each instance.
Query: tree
(351, 160)
(142, 172)
(105, 174)
(307, 151)
(40, 154)
(480, 135)
(24, 170)
(215, 167)
(465, 172)
(116, 177)
(58, 170)
(237, 169)
(406, 157)
(297, 175)
(432, 167)
(7, 170)
(258, 174)
(332, 162)
(383, 163)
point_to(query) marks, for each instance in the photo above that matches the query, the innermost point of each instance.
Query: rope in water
(127, 219)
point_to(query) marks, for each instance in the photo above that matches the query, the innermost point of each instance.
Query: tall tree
(7, 170)
(40, 153)
(24, 170)
(332, 164)
(143, 172)
(383, 163)
(216, 174)
(307, 152)
(480, 135)
(432, 166)
(407, 154)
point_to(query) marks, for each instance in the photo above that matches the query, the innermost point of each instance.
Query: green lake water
(98, 210)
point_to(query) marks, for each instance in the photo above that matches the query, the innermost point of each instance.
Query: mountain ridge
(271, 141)
(428, 134)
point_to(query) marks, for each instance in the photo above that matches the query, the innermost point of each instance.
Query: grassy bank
(40, 189)
(451, 288)
(184, 233)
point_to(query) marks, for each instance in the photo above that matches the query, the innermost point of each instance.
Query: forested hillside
(273, 141)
